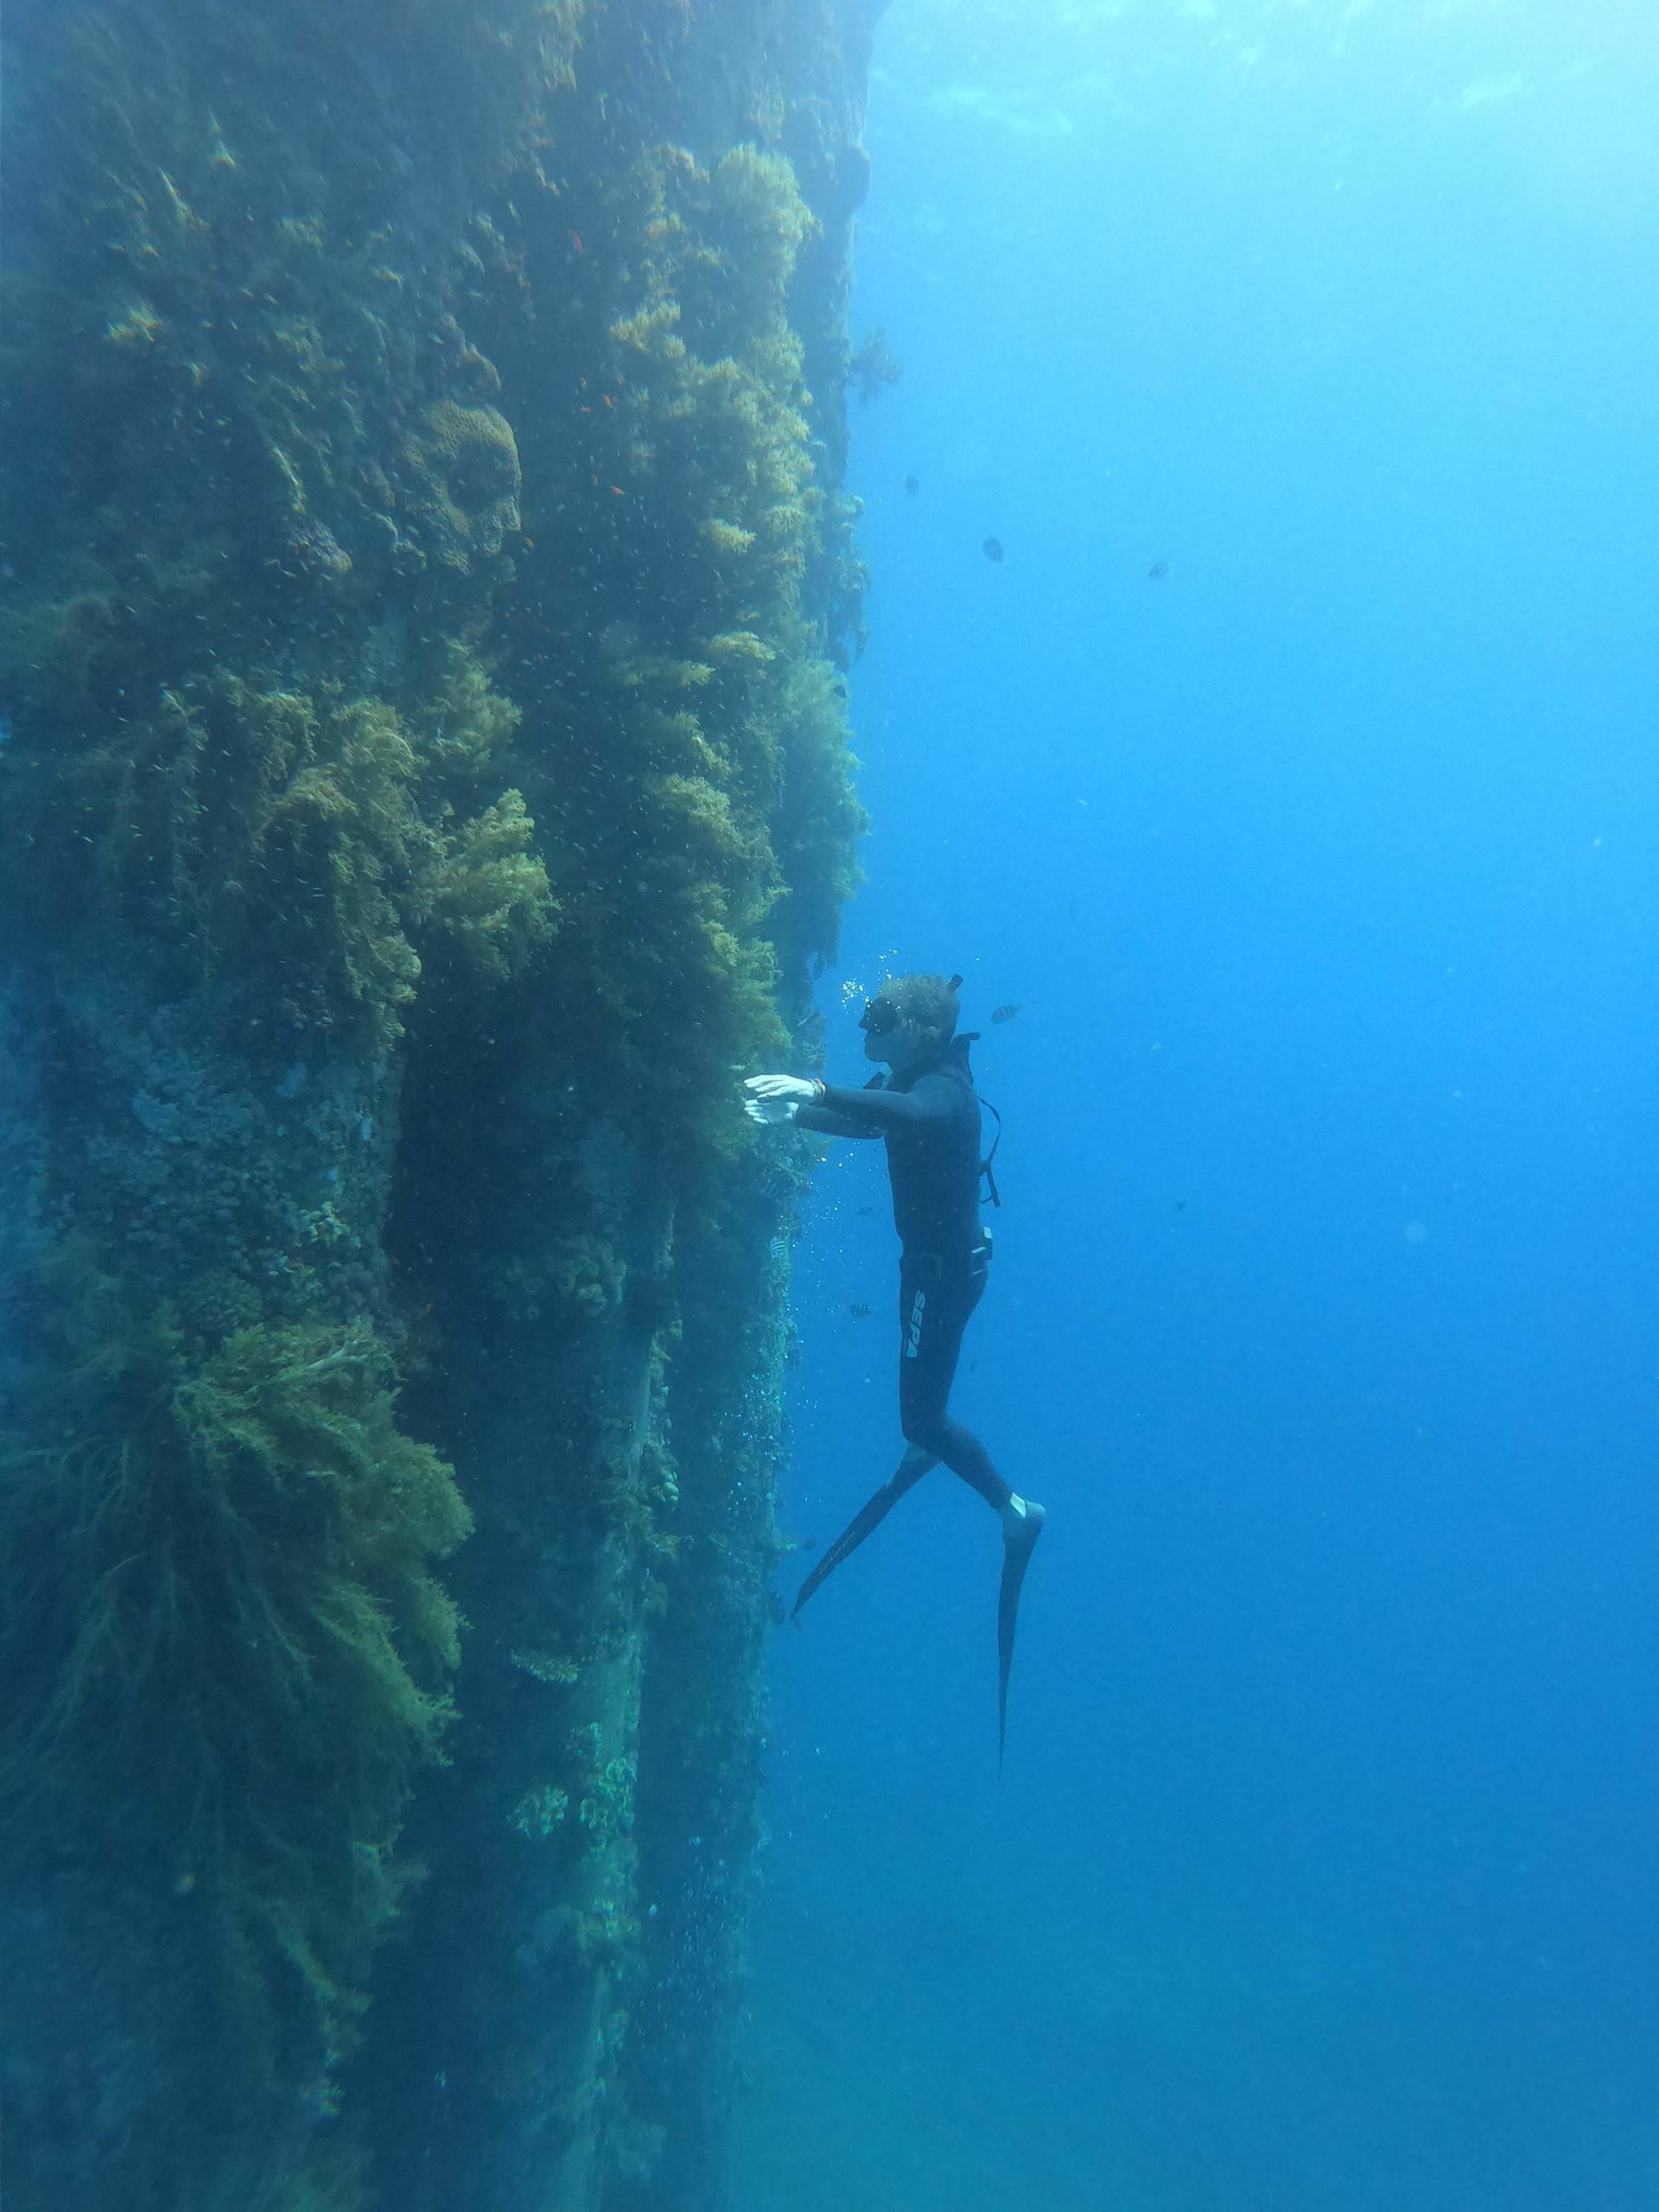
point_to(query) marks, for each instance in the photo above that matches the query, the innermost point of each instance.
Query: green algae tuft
(236, 1626)
(489, 890)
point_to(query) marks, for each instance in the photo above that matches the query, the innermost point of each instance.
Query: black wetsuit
(930, 1121)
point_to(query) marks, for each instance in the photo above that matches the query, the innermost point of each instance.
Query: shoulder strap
(985, 1166)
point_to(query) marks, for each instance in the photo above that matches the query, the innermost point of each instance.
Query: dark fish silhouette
(912, 485)
(860, 1311)
(999, 1014)
(992, 549)
(1157, 568)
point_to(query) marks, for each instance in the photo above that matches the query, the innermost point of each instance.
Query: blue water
(1324, 868)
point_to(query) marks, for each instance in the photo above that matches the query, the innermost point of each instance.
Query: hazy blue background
(1322, 1878)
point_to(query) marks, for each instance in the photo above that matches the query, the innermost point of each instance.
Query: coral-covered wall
(423, 792)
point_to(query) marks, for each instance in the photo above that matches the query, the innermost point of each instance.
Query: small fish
(912, 485)
(1158, 570)
(992, 549)
(1001, 1013)
(859, 1311)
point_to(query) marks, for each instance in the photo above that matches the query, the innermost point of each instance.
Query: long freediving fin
(1019, 1541)
(868, 1518)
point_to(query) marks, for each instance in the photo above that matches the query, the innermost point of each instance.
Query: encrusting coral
(463, 463)
(417, 637)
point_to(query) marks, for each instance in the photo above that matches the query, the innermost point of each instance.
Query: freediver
(926, 1110)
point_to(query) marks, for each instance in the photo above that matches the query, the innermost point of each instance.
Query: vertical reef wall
(423, 792)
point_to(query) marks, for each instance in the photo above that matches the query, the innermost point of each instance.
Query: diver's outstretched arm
(774, 1100)
(867, 1520)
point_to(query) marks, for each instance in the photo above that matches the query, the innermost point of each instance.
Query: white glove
(774, 1098)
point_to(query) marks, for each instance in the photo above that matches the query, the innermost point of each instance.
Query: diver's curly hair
(928, 1001)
